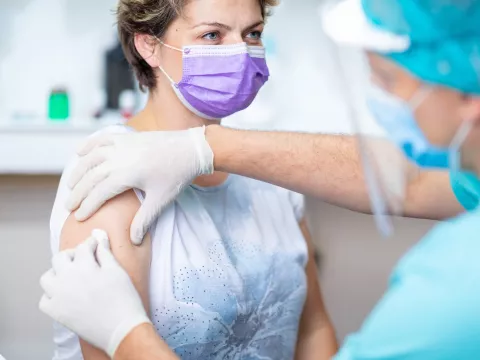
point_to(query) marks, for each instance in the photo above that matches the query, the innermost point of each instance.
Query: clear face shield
(384, 131)
(392, 147)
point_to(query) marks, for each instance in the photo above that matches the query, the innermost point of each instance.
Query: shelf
(40, 149)
(82, 127)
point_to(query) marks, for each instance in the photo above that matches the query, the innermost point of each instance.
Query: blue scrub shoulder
(431, 308)
(452, 242)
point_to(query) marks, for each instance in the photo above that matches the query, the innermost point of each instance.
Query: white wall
(25, 203)
(48, 43)
(303, 92)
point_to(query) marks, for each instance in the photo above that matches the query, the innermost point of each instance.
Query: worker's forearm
(143, 343)
(324, 166)
(321, 165)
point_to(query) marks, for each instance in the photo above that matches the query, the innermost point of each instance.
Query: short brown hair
(152, 17)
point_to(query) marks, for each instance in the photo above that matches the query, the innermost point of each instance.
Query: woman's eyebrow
(253, 26)
(226, 27)
(216, 24)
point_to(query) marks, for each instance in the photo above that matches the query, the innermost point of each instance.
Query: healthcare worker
(424, 57)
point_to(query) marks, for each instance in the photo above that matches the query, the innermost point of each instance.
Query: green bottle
(58, 105)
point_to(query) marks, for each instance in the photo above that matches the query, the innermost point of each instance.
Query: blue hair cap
(444, 35)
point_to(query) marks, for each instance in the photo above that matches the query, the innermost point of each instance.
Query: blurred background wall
(51, 47)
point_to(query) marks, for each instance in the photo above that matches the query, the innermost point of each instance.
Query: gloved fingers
(94, 142)
(104, 255)
(104, 191)
(203, 150)
(47, 282)
(62, 259)
(102, 238)
(145, 216)
(103, 241)
(46, 306)
(85, 252)
(88, 162)
(81, 190)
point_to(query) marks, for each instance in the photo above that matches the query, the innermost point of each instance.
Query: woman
(225, 271)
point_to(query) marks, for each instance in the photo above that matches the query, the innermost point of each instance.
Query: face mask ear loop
(160, 67)
(168, 46)
(168, 76)
(456, 144)
(419, 97)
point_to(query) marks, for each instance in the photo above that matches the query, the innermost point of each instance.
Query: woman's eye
(256, 35)
(212, 36)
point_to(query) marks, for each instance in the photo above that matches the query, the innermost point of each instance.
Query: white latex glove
(160, 164)
(88, 292)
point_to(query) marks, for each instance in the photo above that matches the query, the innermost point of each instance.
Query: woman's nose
(233, 38)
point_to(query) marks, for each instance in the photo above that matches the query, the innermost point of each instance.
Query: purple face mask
(219, 80)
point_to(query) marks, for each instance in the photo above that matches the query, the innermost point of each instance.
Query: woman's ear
(147, 47)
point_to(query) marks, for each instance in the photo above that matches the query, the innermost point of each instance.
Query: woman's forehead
(222, 10)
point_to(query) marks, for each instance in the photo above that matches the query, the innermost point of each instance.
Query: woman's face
(210, 22)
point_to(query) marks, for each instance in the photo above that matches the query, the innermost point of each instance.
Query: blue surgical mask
(396, 116)
(466, 187)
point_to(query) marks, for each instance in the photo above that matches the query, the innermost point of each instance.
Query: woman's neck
(165, 112)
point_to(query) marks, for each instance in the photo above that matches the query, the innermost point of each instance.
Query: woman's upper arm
(316, 338)
(115, 218)
(314, 303)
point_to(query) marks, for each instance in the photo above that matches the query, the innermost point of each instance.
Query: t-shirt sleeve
(430, 310)
(66, 343)
(60, 213)
(298, 203)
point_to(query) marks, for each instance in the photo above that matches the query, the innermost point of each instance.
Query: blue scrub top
(432, 307)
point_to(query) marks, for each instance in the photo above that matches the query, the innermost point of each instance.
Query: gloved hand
(88, 292)
(160, 164)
